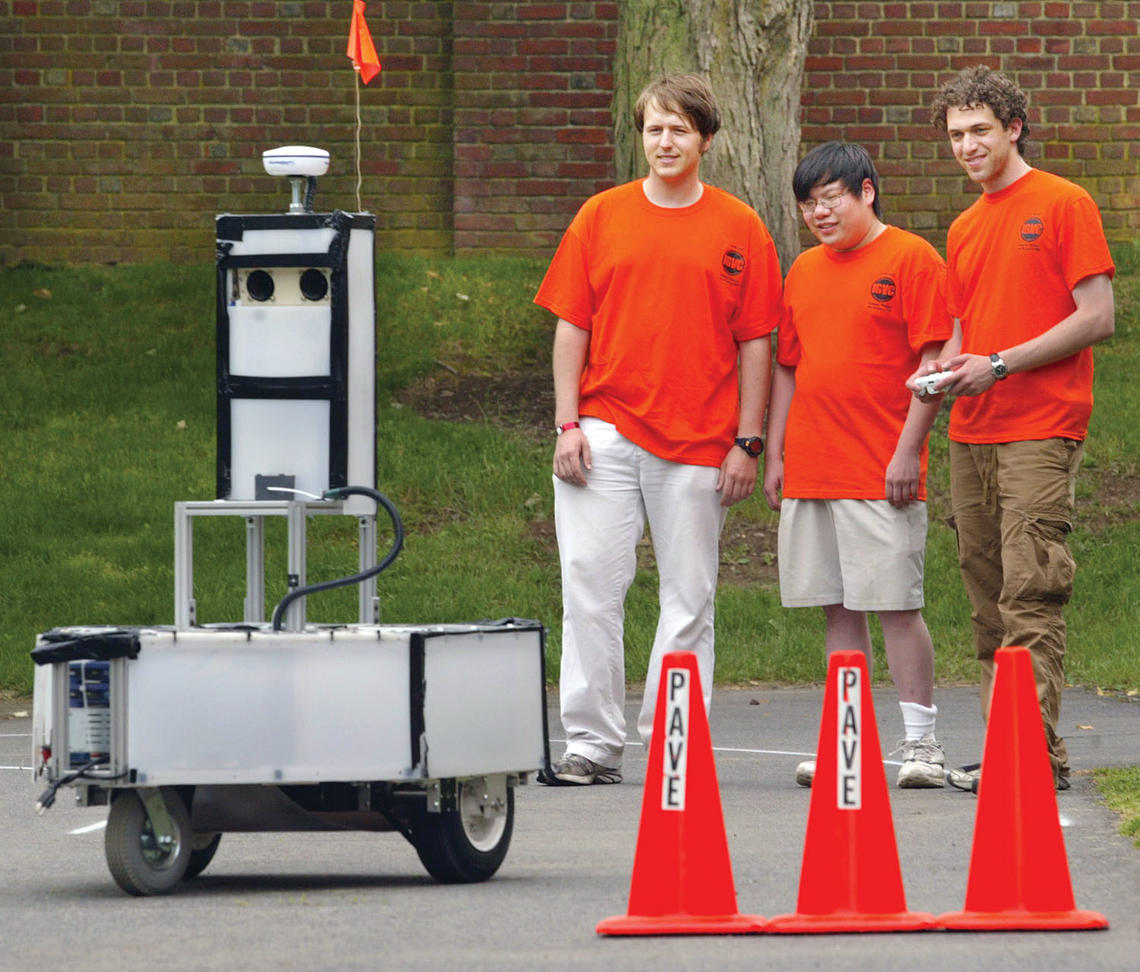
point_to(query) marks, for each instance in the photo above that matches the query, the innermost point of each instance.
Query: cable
(393, 551)
(48, 796)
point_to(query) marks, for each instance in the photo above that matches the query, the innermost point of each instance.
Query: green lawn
(108, 417)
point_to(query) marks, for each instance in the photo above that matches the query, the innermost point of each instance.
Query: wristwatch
(565, 427)
(997, 366)
(753, 445)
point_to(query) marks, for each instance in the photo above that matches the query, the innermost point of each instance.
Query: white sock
(918, 720)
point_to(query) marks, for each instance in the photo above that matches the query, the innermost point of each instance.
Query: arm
(783, 387)
(904, 470)
(737, 478)
(571, 449)
(1092, 321)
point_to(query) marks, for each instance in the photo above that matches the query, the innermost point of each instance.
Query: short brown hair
(686, 94)
(981, 86)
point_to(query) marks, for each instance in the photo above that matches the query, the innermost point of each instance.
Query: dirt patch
(514, 399)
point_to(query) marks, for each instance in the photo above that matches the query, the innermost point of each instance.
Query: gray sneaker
(805, 772)
(573, 768)
(965, 777)
(970, 778)
(924, 764)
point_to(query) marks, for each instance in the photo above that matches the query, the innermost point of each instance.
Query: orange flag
(361, 50)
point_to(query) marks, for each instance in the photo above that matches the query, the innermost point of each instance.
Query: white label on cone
(676, 739)
(849, 740)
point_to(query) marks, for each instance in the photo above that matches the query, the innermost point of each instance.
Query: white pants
(598, 528)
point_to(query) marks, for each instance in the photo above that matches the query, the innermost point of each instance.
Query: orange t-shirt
(666, 294)
(1014, 258)
(855, 323)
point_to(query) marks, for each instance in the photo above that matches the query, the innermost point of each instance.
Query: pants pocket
(1037, 563)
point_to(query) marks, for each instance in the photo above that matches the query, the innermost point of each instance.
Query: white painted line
(90, 828)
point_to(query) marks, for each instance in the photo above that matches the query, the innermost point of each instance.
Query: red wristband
(565, 427)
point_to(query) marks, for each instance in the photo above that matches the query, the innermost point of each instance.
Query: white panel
(279, 342)
(271, 241)
(484, 703)
(361, 369)
(218, 707)
(274, 437)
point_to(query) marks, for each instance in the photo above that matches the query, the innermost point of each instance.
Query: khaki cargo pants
(1012, 506)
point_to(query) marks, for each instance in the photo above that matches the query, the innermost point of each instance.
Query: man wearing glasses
(846, 457)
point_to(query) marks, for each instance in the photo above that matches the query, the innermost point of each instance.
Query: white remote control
(927, 382)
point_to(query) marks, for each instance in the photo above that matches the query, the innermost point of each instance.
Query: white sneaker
(924, 764)
(805, 772)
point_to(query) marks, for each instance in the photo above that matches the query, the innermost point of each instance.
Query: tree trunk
(752, 52)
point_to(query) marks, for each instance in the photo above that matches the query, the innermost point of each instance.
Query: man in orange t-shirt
(665, 290)
(1030, 286)
(846, 458)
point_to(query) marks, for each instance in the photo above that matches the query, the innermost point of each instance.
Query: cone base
(851, 921)
(682, 925)
(1016, 920)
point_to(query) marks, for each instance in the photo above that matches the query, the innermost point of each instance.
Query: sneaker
(924, 764)
(573, 768)
(965, 777)
(805, 772)
(1063, 783)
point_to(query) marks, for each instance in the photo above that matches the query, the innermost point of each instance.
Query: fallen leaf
(180, 424)
(1086, 727)
(43, 293)
(463, 296)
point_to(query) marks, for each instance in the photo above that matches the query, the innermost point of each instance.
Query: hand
(572, 457)
(974, 374)
(901, 481)
(773, 480)
(737, 478)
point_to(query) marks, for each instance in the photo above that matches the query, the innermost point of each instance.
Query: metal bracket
(490, 793)
(165, 834)
(442, 796)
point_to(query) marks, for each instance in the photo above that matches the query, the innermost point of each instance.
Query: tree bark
(752, 52)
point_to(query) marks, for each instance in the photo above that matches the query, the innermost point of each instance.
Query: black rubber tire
(137, 864)
(203, 847)
(456, 848)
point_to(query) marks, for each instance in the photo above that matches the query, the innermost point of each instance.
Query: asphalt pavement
(359, 900)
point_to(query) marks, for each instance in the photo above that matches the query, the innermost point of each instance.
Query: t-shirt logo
(883, 289)
(732, 262)
(1032, 229)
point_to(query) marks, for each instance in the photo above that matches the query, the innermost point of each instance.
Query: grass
(108, 416)
(1120, 789)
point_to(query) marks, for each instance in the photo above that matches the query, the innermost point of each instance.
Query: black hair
(836, 162)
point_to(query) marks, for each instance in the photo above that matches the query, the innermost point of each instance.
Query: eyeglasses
(830, 203)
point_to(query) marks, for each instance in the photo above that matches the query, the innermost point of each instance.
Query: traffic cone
(682, 877)
(1019, 874)
(850, 879)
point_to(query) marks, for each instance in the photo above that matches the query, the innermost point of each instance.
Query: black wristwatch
(753, 445)
(997, 366)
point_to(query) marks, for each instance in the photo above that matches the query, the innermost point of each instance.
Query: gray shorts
(864, 554)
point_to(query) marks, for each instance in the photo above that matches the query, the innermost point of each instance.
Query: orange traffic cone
(850, 879)
(682, 877)
(1019, 874)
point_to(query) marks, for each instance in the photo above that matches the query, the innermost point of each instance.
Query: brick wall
(125, 125)
(872, 67)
